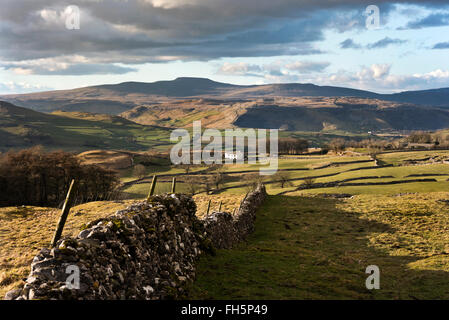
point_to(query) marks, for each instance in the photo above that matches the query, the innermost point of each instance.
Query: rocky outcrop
(147, 251)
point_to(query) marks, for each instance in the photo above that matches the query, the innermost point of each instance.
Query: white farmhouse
(234, 156)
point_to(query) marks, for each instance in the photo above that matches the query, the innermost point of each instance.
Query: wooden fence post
(208, 207)
(153, 186)
(246, 195)
(173, 185)
(64, 214)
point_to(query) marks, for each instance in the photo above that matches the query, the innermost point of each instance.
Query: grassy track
(315, 248)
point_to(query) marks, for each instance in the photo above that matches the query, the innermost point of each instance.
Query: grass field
(76, 131)
(324, 169)
(25, 230)
(307, 244)
(315, 248)
(398, 158)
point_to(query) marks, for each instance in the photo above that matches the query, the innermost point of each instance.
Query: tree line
(292, 145)
(439, 139)
(38, 178)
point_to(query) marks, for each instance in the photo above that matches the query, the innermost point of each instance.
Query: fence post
(64, 214)
(219, 206)
(153, 186)
(246, 195)
(208, 207)
(173, 185)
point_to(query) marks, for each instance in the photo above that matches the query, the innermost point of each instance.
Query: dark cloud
(385, 42)
(441, 45)
(140, 31)
(82, 69)
(350, 44)
(432, 20)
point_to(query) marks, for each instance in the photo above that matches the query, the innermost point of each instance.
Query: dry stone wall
(147, 251)
(224, 230)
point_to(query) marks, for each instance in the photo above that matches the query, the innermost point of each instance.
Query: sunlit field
(393, 213)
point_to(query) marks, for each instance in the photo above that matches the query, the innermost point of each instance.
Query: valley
(74, 131)
(369, 186)
(89, 118)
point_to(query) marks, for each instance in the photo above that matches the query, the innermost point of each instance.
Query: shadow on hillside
(308, 248)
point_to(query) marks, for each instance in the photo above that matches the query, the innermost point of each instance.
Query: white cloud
(45, 64)
(10, 87)
(307, 66)
(240, 68)
(170, 4)
(375, 71)
(378, 77)
(278, 71)
(69, 65)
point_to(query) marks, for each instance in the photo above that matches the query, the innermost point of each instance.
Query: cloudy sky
(236, 41)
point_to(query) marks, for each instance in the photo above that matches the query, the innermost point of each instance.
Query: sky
(381, 46)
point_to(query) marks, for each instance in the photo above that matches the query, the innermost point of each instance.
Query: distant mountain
(434, 97)
(317, 114)
(149, 126)
(296, 90)
(174, 104)
(21, 128)
(118, 98)
(180, 87)
(347, 114)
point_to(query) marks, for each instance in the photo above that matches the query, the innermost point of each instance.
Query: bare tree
(218, 178)
(140, 171)
(337, 145)
(35, 177)
(420, 137)
(191, 185)
(292, 145)
(207, 185)
(283, 179)
(309, 182)
(252, 180)
(187, 168)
